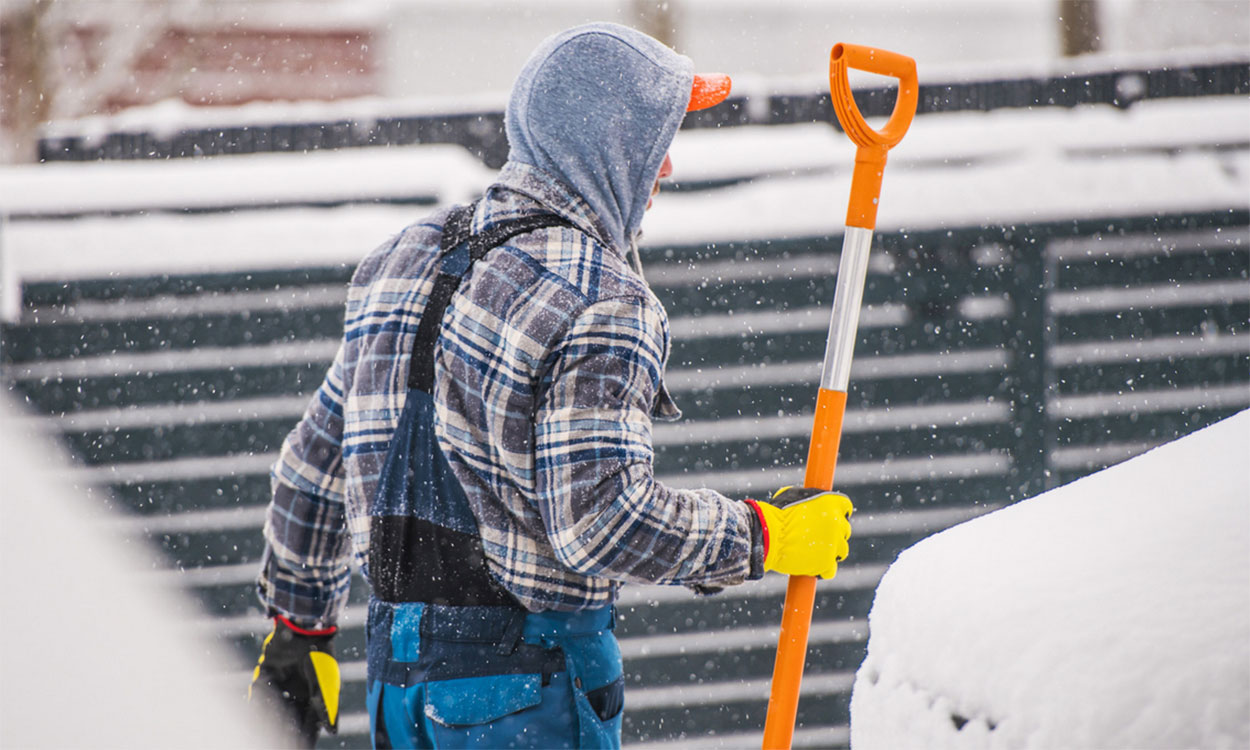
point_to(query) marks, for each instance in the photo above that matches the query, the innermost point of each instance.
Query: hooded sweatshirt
(549, 367)
(597, 107)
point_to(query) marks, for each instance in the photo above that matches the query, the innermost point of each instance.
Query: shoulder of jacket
(599, 270)
(401, 248)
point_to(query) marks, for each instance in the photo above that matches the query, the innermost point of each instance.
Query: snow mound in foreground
(97, 648)
(1113, 612)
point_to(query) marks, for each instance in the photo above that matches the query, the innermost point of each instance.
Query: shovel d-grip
(873, 144)
(822, 452)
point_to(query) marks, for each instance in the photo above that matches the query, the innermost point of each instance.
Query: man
(482, 442)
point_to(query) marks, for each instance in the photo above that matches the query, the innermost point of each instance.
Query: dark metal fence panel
(1151, 328)
(993, 363)
(482, 132)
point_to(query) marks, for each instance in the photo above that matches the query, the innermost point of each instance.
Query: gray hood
(597, 107)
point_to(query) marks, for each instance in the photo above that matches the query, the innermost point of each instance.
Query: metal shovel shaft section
(822, 453)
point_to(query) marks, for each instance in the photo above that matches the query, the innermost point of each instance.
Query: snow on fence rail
(1012, 344)
(1120, 83)
(950, 412)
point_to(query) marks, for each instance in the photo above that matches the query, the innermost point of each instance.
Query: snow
(972, 169)
(1121, 622)
(1113, 612)
(437, 170)
(961, 169)
(96, 650)
(171, 116)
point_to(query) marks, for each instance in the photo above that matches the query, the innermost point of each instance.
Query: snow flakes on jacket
(548, 372)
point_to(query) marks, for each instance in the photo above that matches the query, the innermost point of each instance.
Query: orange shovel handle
(822, 456)
(796, 616)
(873, 144)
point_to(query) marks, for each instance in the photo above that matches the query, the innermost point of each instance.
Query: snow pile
(96, 649)
(433, 171)
(1113, 612)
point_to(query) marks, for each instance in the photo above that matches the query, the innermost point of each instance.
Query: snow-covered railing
(171, 132)
(328, 179)
(1053, 292)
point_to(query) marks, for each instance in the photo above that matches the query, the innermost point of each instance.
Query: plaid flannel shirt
(549, 371)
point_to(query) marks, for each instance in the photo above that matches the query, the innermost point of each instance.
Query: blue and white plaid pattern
(549, 371)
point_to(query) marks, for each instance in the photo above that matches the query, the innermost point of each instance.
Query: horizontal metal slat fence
(482, 132)
(994, 362)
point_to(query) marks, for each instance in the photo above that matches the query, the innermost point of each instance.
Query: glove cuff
(312, 632)
(759, 516)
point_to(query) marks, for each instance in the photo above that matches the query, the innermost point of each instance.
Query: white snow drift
(96, 649)
(1113, 612)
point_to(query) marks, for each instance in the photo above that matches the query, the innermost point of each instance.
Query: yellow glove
(297, 678)
(805, 531)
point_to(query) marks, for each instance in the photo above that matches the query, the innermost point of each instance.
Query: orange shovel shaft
(822, 455)
(861, 209)
(796, 618)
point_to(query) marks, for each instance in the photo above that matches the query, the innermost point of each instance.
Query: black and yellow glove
(806, 531)
(298, 676)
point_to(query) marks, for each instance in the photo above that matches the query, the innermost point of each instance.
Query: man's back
(509, 494)
(548, 371)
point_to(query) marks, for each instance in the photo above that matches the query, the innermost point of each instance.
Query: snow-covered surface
(971, 139)
(963, 169)
(436, 171)
(96, 650)
(973, 169)
(1113, 612)
(168, 117)
(243, 241)
(462, 55)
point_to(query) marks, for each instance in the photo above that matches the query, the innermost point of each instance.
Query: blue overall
(453, 659)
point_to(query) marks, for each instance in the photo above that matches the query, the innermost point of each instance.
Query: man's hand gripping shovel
(822, 454)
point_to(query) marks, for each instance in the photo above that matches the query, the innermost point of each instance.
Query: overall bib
(453, 659)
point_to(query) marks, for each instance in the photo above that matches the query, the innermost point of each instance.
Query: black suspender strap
(421, 365)
(459, 249)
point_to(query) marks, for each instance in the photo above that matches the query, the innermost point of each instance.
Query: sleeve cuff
(759, 543)
(315, 631)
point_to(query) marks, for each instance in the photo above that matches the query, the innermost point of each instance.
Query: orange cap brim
(708, 90)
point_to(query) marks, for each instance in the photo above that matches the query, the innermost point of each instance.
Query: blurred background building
(69, 59)
(1060, 280)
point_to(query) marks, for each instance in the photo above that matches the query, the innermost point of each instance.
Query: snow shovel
(822, 454)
